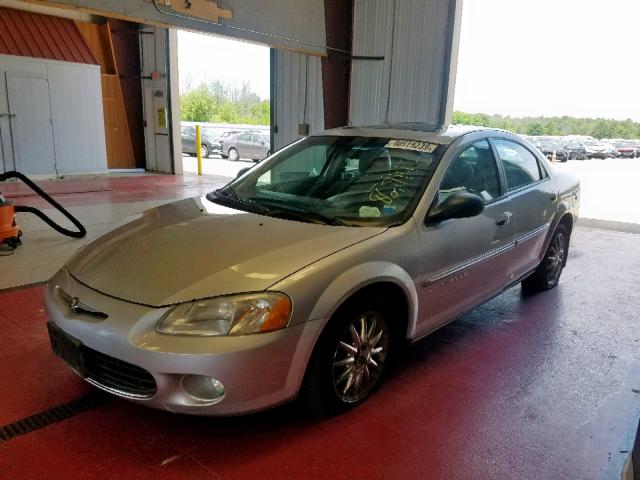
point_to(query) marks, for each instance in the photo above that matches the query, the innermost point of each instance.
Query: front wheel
(233, 155)
(349, 360)
(547, 275)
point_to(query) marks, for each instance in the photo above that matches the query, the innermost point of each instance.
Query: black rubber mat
(53, 415)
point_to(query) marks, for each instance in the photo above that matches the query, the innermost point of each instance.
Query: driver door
(464, 261)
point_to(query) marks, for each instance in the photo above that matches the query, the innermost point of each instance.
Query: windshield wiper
(230, 196)
(311, 216)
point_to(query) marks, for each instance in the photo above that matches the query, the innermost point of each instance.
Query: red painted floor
(95, 191)
(535, 387)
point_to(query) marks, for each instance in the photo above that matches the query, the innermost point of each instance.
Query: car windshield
(354, 181)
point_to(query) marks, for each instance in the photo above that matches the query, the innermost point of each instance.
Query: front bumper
(257, 371)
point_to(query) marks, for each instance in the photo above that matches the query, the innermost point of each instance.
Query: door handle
(503, 219)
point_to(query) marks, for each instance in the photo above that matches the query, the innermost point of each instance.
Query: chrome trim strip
(115, 391)
(523, 237)
(448, 271)
(570, 193)
(468, 264)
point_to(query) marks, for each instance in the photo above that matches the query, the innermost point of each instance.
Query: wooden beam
(203, 9)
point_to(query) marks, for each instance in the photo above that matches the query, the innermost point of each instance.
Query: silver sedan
(306, 275)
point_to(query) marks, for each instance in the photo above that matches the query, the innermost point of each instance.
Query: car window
(245, 137)
(521, 167)
(361, 180)
(474, 171)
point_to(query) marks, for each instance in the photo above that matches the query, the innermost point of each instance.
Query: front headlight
(233, 315)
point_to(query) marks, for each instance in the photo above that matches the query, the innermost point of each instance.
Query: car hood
(194, 249)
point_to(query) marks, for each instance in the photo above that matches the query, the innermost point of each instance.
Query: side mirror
(242, 171)
(456, 205)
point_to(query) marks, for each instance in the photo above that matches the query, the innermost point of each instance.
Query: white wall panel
(78, 118)
(76, 113)
(418, 39)
(298, 96)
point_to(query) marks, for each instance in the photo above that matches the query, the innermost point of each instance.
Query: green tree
(598, 128)
(216, 102)
(198, 105)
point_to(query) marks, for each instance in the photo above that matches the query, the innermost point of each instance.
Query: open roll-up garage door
(396, 63)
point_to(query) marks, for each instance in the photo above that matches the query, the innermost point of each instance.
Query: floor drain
(52, 415)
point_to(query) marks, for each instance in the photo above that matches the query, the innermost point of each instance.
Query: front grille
(118, 376)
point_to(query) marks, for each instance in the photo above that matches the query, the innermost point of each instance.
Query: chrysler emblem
(76, 306)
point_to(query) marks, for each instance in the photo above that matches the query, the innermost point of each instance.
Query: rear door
(31, 127)
(533, 202)
(260, 146)
(245, 147)
(465, 261)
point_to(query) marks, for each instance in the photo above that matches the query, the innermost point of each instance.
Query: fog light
(202, 388)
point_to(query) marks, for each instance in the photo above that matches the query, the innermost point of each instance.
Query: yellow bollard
(199, 149)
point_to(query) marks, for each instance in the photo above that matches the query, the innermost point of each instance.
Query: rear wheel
(349, 360)
(233, 155)
(547, 275)
(204, 151)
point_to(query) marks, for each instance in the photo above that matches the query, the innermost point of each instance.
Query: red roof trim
(28, 34)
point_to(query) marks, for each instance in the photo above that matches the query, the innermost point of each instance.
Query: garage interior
(544, 386)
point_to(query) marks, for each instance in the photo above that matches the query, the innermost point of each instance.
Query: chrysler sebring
(304, 276)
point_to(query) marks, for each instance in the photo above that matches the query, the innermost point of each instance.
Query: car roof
(410, 131)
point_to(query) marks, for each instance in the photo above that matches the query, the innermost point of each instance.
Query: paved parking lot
(215, 165)
(609, 188)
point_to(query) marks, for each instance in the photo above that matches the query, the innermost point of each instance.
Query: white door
(31, 127)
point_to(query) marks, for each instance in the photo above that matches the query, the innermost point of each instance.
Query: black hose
(82, 232)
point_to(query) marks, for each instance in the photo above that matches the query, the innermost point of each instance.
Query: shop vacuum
(10, 234)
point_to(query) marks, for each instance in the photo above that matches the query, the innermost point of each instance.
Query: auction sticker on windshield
(425, 147)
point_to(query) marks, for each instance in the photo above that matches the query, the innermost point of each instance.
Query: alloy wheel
(555, 259)
(360, 356)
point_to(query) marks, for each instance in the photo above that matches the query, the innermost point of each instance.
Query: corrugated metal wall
(418, 40)
(29, 34)
(155, 94)
(298, 96)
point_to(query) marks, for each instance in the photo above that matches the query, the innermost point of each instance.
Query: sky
(517, 57)
(205, 58)
(550, 57)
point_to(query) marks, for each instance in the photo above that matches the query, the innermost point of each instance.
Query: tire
(234, 156)
(337, 369)
(204, 151)
(547, 275)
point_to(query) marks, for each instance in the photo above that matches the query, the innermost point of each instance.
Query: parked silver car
(251, 145)
(308, 273)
